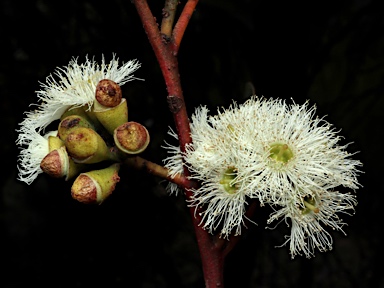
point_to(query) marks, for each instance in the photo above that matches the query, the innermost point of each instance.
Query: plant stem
(212, 249)
(165, 49)
(170, 70)
(169, 13)
(182, 24)
(140, 163)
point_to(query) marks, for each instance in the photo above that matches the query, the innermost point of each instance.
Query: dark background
(330, 52)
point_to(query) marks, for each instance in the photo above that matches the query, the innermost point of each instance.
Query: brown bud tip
(55, 163)
(131, 137)
(108, 93)
(70, 121)
(95, 186)
(84, 190)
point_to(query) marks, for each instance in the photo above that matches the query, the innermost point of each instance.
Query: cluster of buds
(101, 134)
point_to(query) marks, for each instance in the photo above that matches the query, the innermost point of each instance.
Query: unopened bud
(95, 186)
(82, 111)
(70, 122)
(85, 145)
(55, 162)
(74, 169)
(108, 93)
(131, 137)
(58, 164)
(54, 142)
(112, 117)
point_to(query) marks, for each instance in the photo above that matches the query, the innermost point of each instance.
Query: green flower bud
(54, 142)
(72, 121)
(109, 107)
(131, 137)
(58, 164)
(55, 163)
(82, 112)
(95, 186)
(112, 117)
(79, 111)
(86, 146)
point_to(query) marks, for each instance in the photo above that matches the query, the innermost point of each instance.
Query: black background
(330, 52)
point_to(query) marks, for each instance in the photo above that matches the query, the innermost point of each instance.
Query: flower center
(227, 180)
(280, 152)
(310, 205)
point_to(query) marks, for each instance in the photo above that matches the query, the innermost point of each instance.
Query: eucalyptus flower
(213, 159)
(308, 218)
(290, 150)
(279, 154)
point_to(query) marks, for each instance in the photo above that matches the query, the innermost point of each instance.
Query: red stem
(182, 23)
(170, 70)
(212, 255)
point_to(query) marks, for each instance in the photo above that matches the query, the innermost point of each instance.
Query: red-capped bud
(95, 186)
(56, 163)
(108, 93)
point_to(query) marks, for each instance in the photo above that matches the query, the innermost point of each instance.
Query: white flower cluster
(70, 86)
(280, 154)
